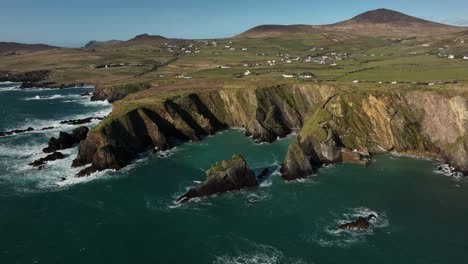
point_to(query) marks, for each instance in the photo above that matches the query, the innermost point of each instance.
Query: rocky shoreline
(334, 127)
(35, 79)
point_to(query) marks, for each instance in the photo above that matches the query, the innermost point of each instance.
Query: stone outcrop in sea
(66, 140)
(223, 176)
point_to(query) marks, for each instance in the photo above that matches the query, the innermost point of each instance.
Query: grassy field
(162, 63)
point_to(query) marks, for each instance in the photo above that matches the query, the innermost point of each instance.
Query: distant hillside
(380, 22)
(11, 48)
(384, 22)
(96, 44)
(146, 37)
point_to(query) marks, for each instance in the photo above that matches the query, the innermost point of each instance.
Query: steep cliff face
(425, 123)
(266, 114)
(331, 121)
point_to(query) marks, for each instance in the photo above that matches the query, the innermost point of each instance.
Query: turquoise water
(130, 216)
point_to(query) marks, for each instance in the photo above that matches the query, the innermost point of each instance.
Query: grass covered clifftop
(409, 119)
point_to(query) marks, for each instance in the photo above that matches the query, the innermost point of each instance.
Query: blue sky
(74, 22)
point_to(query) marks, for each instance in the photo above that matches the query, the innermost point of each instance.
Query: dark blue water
(130, 216)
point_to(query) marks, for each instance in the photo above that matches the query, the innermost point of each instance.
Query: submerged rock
(223, 176)
(361, 223)
(296, 164)
(16, 131)
(42, 161)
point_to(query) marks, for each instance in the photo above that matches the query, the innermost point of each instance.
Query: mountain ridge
(379, 22)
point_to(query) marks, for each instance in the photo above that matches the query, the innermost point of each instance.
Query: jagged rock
(86, 171)
(64, 141)
(223, 176)
(40, 162)
(108, 157)
(85, 94)
(296, 164)
(360, 223)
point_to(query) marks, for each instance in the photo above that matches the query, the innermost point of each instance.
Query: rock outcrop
(66, 140)
(296, 164)
(51, 157)
(361, 223)
(223, 176)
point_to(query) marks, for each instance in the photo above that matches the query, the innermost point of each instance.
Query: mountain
(380, 22)
(384, 22)
(96, 44)
(12, 48)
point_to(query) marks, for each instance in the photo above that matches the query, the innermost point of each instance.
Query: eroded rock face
(376, 120)
(223, 176)
(296, 164)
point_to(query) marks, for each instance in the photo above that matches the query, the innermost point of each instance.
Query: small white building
(465, 57)
(356, 81)
(289, 75)
(451, 56)
(244, 49)
(247, 73)
(394, 82)
(225, 67)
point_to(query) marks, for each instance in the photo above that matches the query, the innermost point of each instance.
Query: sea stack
(223, 176)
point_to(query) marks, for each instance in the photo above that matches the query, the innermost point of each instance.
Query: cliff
(423, 122)
(134, 126)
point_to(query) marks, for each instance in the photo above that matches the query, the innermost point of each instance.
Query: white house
(465, 57)
(247, 73)
(451, 56)
(394, 82)
(244, 49)
(355, 81)
(225, 67)
(289, 75)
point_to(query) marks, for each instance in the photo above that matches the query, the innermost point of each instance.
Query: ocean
(130, 216)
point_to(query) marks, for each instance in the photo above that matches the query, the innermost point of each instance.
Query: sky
(72, 23)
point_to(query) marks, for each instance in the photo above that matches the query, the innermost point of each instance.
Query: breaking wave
(258, 254)
(328, 234)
